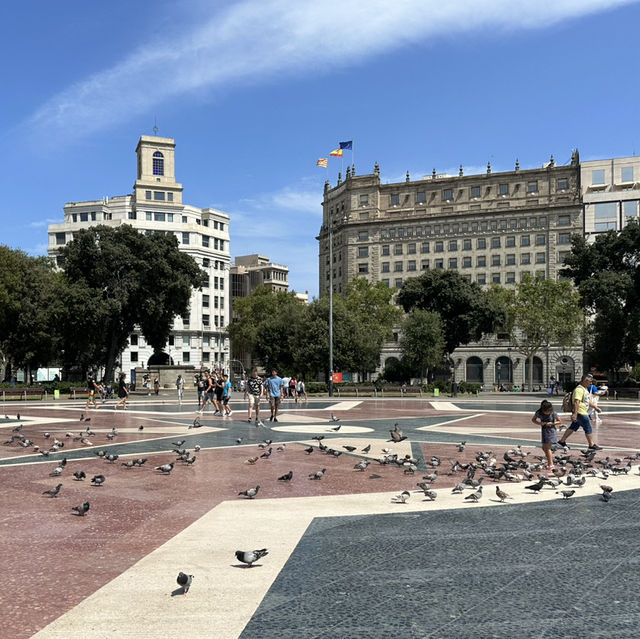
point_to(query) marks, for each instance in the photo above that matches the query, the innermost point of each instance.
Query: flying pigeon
(53, 492)
(250, 492)
(82, 509)
(475, 496)
(402, 497)
(249, 557)
(318, 475)
(79, 475)
(178, 444)
(334, 418)
(501, 494)
(349, 449)
(98, 480)
(286, 477)
(184, 581)
(165, 468)
(366, 449)
(566, 493)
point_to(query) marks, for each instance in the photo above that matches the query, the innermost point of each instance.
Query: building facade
(492, 228)
(155, 206)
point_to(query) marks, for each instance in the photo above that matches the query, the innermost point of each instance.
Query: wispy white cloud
(262, 40)
(38, 224)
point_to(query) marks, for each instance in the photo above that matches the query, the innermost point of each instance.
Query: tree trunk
(111, 359)
(531, 373)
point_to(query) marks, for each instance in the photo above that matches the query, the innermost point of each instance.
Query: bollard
(46, 395)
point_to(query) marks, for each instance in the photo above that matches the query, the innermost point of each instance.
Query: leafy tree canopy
(422, 342)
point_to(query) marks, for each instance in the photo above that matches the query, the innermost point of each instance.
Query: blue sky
(255, 92)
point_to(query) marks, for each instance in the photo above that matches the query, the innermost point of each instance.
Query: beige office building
(155, 206)
(492, 227)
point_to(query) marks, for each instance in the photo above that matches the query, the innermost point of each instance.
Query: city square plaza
(347, 557)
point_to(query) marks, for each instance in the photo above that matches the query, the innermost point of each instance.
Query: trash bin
(436, 392)
(56, 393)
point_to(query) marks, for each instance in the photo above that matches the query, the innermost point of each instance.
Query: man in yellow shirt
(579, 416)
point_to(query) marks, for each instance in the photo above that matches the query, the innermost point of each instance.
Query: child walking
(548, 419)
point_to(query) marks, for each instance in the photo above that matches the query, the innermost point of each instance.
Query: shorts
(274, 401)
(254, 400)
(208, 397)
(583, 422)
(219, 396)
(92, 393)
(225, 401)
(549, 435)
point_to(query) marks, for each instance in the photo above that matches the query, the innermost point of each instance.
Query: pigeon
(141, 427)
(431, 494)
(396, 436)
(18, 416)
(53, 492)
(536, 487)
(282, 448)
(47, 435)
(184, 581)
(239, 440)
(251, 460)
(335, 453)
(335, 429)
(265, 444)
(140, 461)
(606, 489)
(81, 417)
(287, 477)
(362, 464)
(501, 494)
(334, 418)
(431, 477)
(606, 495)
(79, 475)
(82, 509)
(129, 464)
(56, 471)
(423, 485)
(267, 453)
(318, 475)
(250, 492)
(110, 436)
(89, 431)
(402, 497)
(196, 423)
(17, 429)
(178, 444)
(366, 449)
(349, 449)
(249, 557)
(98, 480)
(165, 469)
(475, 497)
(461, 446)
(308, 450)
(566, 493)
(191, 461)
(318, 437)
(112, 457)
(197, 448)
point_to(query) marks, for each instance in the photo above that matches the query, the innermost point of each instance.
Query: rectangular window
(447, 195)
(158, 195)
(134, 356)
(206, 263)
(503, 189)
(563, 255)
(510, 277)
(564, 238)
(495, 242)
(385, 282)
(627, 174)
(184, 219)
(424, 265)
(475, 191)
(411, 248)
(74, 216)
(564, 220)
(363, 269)
(481, 260)
(215, 301)
(147, 195)
(495, 260)
(525, 258)
(510, 240)
(206, 320)
(60, 238)
(385, 249)
(148, 216)
(439, 247)
(532, 187)
(397, 249)
(453, 262)
(363, 236)
(186, 357)
(84, 217)
(606, 226)
(205, 301)
(481, 243)
(186, 340)
(206, 356)
(562, 184)
(597, 177)
(397, 266)
(364, 200)
(466, 262)
(170, 197)
(439, 264)
(481, 278)
(363, 251)
(606, 211)
(93, 216)
(540, 240)
(159, 217)
(510, 259)
(133, 339)
(424, 247)
(453, 245)
(394, 199)
(185, 238)
(385, 267)
(421, 197)
(398, 282)
(411, 265)
(495, 278)
(466, 245)
(525, 240)
(540, 275)
(630, 208)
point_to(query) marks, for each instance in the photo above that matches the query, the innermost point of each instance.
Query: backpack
(567, 403)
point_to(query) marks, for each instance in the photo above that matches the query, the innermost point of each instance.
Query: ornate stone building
(493, 227)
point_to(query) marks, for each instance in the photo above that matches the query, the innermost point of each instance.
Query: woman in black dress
(123, 393)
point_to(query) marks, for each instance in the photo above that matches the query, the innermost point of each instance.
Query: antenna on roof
(155, 127)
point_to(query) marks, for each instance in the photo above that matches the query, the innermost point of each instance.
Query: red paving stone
(53, 559)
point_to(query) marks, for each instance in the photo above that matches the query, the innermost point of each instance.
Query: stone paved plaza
(345, 558)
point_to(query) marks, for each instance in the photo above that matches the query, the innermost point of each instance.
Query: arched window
(158, 163)
(537, 370)
(475, 372)
(504, 371)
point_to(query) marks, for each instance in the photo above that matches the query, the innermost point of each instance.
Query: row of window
(186, 357)
(149, 216)
(207, 340)
(218, 321)
(625, 174)
(218, 302)
(481, 278)
(218, 265)
(159, 196)
(453, 262)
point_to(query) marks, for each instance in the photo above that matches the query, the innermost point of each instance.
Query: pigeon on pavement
(308, 450)
(82, 509)
(184, 580)
(79, 475)
(501, 494)
(165, 468)
(98, 480)
(396, 436)
(475, 497)
(402, 497)
(366, 449)
(53, 492)
(286, 477)
(249, 557)
(566, 493)
(318, 475)
(251, 460)
(250, 492)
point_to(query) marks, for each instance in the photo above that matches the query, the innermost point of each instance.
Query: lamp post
(330, 305)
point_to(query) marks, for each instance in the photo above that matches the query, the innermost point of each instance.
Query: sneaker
(275, 419)
(271, 418)
(259, 423)
(595, 447)
(249, 421)
(563, 445)
(230, 413)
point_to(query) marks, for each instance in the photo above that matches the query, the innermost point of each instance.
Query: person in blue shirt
(226, 396)
(275, 387)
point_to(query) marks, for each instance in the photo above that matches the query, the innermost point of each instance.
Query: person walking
(180, 387)
(275, 389)
(579, 416)
(548, 419)
(123, 393)
(301, 392)
(156, 385)
(207, 393)
(92, 387)
(226, 396)
(255, 391)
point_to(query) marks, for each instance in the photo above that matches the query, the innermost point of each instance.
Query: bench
(22, 393)
(74, 392)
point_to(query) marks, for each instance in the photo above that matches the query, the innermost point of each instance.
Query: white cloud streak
(261, 40)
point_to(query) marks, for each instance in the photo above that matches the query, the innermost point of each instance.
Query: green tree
(422, 342)
(466, 311)
(120, 278)
(544, 312)
(607, 274)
